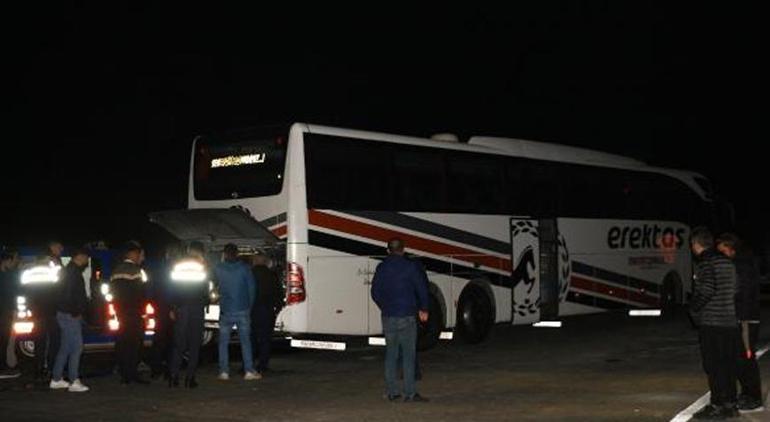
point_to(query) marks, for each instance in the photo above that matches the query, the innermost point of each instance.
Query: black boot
(173, 381)
(189, 382)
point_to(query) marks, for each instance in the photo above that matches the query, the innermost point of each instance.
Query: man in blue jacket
(400, 291)
(236, 296)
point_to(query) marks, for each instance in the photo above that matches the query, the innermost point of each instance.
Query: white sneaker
(58, 385)
(77, 387)
(252, 376)
(223, 376)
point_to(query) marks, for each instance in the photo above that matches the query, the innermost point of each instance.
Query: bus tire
(428, 334)
(474, 314)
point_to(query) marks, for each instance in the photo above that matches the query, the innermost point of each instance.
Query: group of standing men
(248, 294)
(725, 307)
(248, 291)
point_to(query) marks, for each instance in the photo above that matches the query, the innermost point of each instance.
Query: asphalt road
(607, 367)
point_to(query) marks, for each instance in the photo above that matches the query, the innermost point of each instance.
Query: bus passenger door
(549, 269)
(535, 270)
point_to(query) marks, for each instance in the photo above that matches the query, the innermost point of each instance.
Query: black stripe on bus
(434, 229)
(274, 221)
(623, 280)
(596, 302)
(354, 247)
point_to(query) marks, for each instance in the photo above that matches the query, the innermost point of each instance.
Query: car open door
(215, 227)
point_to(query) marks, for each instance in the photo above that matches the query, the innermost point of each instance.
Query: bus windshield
(238, 168)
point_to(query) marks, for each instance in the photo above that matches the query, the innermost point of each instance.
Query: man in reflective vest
(189, 296)
(39, 285)
(128, 284)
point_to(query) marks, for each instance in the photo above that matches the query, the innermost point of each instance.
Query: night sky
(101, 104)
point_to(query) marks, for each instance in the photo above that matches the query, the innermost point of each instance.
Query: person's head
(196, 249)
(55, 248)
(173, 251)
(700, 240)
(80, 257)
(396, 246)
(231, 252)
(729, 244)
(9, 260)
(135, 252)
(260, 259)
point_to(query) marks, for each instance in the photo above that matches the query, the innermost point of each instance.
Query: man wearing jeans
(69, 315)
(400, 291)
(237, 291)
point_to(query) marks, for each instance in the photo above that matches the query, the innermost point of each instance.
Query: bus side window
(541, 188)
(475, 183)
(419, 179)
(344, 173)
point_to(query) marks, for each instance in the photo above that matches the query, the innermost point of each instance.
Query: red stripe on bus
(279, 231)
(612, 291)
(381, 234)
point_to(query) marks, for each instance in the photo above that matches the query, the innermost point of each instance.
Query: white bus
(509, 231)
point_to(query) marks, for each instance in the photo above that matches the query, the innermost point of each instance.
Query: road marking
(547, 324)
(686, 414)
(644, 312)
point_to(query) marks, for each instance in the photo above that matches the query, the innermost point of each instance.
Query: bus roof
(495, 145)
(523, 148)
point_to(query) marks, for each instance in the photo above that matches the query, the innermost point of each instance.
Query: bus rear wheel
(474, 315)
(428, 334)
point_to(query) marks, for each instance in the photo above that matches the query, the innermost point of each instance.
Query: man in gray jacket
(713, 309)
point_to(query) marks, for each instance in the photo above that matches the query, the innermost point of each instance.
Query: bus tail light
(295, 284)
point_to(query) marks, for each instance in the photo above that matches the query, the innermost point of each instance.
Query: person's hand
(423, 315)
(748, 354)
(172, 315)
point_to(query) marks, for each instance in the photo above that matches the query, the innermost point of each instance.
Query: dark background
(102, 103)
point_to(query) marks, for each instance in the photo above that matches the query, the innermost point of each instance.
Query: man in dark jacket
(9, 283)
(237, 291)
(400, 291)
(713, 309)
(42, 296)
(266, 305)
(127, 281)
(189, 297)
(160, 294)
(747, 311)
(71, 307)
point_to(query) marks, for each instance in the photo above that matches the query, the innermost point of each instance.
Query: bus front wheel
(474, 315)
